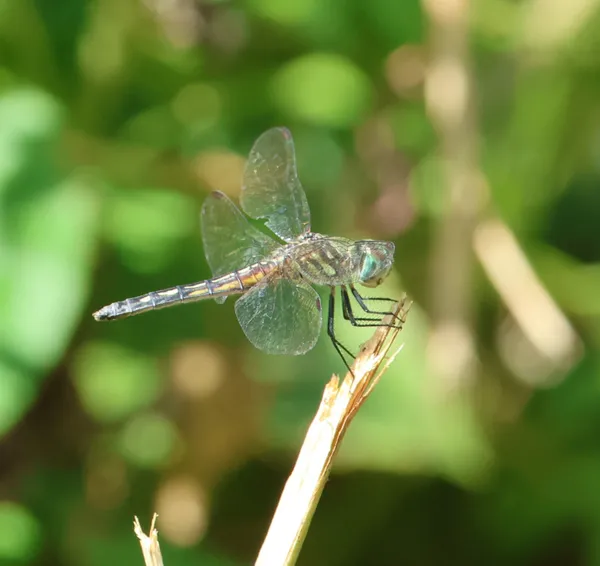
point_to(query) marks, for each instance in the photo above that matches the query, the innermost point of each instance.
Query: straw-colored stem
(338, 406)
(149, 542)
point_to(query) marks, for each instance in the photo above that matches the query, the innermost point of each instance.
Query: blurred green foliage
(117, 117)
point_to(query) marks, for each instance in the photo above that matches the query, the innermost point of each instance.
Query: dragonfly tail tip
(101, 314)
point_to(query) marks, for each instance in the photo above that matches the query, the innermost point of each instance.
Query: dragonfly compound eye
(373, 270)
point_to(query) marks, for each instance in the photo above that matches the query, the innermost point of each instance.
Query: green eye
(370, 267)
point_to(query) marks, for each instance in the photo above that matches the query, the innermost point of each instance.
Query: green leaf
(47, 231)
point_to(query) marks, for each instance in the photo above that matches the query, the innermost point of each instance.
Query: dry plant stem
(450, 102)
(149, 543)
(337, 409)
(531, 305)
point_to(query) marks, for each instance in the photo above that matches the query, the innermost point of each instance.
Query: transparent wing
(271, 188)
(230, 241)
(280, 316)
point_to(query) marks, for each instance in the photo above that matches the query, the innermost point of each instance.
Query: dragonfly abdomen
(233, 283)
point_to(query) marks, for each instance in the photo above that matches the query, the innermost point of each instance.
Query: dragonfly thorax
(326, 260)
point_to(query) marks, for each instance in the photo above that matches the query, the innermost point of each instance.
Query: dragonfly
(274, 264)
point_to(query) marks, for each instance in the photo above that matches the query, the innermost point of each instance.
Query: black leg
(340, 348)
(361, 321)
(363, 305)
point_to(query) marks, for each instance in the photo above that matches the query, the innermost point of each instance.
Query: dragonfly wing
(271, 188)
(230, 241)
(280, 316)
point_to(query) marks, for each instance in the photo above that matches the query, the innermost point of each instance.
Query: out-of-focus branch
(450, 104)
(462, 229)
(337, 409)
(539, 318)
(149, 543)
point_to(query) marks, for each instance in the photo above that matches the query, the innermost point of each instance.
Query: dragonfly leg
(362, 301)
(360, 321)
(340, 348)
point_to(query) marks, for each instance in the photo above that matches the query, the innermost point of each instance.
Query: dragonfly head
(376, 262)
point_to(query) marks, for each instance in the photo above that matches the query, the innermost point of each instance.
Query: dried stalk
(338, 407)
(451, 105)
(149, 543)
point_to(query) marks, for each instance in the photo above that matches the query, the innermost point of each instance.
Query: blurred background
(468, 133)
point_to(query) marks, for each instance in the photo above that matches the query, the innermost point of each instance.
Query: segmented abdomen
(233, 283)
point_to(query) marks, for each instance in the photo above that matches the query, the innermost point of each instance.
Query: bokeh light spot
(221, 170)
(324, 89)
(405, 68)
(144, 225)
(148, 440)
(197, 106)
(198, 369)
(113, 381)
(19, 533)
(182, 506)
